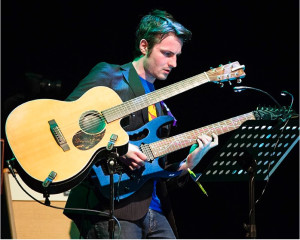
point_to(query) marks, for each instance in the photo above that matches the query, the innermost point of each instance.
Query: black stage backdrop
(58, 42)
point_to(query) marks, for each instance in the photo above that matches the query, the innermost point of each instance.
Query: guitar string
(120, 108)
(128, 107)
(164, 90)
(118, 111)
(115, 113)
(177, 142)
(156, 96)
(218, 127)
(96, 115)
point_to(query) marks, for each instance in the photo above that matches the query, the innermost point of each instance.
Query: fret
(180, 141)
(146, 100)
(220, 129)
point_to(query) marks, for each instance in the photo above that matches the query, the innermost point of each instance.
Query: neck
(138, 64)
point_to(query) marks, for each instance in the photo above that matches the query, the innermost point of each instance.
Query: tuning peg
(222, 66)
(230, 83)
(239, 80)
(221, 85)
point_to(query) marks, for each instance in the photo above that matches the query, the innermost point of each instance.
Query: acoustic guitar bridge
(58, 136)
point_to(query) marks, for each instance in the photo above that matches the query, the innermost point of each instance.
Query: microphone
(242, 88)
(285, 93)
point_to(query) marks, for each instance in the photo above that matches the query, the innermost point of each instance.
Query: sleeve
(100, 75)
(175, 182)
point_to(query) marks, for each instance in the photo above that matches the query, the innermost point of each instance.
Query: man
(146, 213)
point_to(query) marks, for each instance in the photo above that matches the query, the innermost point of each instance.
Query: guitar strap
(152, 112)
(169, 113)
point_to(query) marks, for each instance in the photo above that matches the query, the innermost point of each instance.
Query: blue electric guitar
(126, 182)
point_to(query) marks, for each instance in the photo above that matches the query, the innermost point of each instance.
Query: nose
(173, 61)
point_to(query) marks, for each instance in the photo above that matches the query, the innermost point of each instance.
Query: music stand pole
(251, 228)
(248, 164)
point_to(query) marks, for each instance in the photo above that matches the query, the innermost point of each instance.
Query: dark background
(58, 42)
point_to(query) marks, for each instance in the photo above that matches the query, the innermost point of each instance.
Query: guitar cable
(79, 210)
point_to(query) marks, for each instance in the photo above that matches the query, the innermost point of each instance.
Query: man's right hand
(134, 158)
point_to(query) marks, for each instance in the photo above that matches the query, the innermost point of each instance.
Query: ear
(144, 46)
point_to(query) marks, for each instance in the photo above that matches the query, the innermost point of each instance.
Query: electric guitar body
(129, 181)
(126, 182)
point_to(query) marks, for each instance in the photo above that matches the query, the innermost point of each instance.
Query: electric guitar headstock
(227, 73)
(274, 113)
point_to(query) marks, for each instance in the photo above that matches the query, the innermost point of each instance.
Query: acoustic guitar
(55, 143)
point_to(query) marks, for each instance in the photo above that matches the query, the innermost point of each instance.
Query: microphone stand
(111, 164)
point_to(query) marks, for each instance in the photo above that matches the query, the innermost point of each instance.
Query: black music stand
(258, 147)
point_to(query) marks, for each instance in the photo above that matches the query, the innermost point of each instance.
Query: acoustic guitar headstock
(227, 73)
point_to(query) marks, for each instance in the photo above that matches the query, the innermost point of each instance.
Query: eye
(168, 54)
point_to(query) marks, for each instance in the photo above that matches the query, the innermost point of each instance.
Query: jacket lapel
(135, 84)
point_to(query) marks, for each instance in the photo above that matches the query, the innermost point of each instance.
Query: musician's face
(163, 58)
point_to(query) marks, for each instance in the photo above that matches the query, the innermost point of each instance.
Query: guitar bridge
(58, 136)
(145, 148)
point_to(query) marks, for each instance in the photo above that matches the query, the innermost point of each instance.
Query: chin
(162, 77)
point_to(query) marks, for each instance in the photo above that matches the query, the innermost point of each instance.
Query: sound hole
(92, 122)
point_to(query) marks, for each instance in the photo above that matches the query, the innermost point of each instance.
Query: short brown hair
(154, 26)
